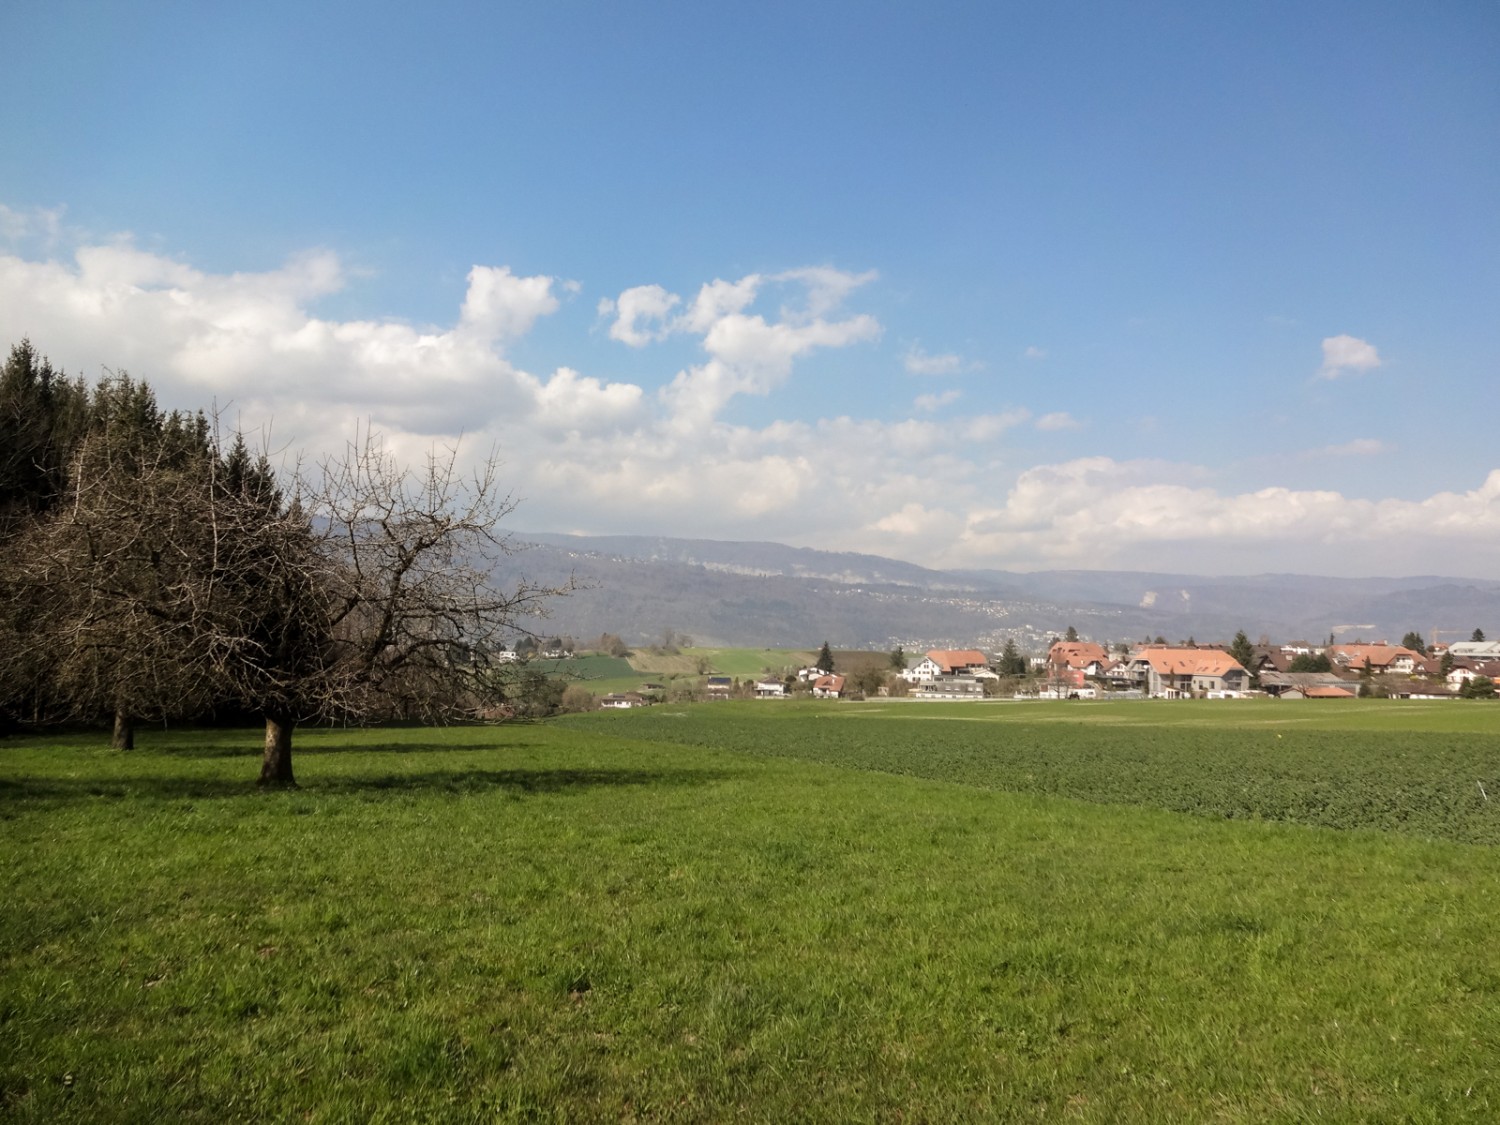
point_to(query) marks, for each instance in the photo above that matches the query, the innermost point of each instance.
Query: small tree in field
(387, 604)
(824, 663)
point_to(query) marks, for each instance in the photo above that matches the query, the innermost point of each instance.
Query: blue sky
(1162, 286)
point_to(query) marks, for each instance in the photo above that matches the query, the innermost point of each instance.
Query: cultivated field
(764, 912)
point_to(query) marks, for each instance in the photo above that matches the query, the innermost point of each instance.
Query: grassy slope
(532, 922)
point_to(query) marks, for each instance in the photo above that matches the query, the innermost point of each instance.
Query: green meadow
(765, 912)
(681, 668)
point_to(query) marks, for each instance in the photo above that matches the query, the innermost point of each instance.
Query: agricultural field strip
(1432, 783)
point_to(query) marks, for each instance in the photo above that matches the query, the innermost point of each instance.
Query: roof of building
(1327, 692)
(1077, 654)
(1484, 650)
(1169, 661)
(829, 683)
(1377, 656)
(949, 659)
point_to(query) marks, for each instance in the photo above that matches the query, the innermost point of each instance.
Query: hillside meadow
(763, 912)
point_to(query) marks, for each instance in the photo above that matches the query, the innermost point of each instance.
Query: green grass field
(758, 912)
(603, 674)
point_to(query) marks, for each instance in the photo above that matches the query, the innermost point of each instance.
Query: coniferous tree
(1012, 663)
(824, 663)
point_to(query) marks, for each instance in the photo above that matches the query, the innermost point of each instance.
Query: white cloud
(1058, 420)
(34, 224)
(648, 303)
(987, 427)
(614, 456)
(1034, 352)
(918, 362)
(1100, 512)
(1343, 355)
(500, 306)
(827, 288)
(929, 403)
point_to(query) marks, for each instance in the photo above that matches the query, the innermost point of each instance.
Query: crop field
(1428, 768)
(764, 912)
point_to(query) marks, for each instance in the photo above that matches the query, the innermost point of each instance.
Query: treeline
(153, 568)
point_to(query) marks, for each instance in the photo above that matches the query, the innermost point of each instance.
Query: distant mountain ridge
(759, 594)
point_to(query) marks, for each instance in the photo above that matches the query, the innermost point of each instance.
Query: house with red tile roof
(951, 661)
(1381, 658)
(828, 687)
(1170, 672)
(1078, 655)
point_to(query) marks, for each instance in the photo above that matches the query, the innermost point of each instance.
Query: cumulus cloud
(1347, 355)
(1154, 515)
(640, 314)
(595, 454)
(1034, 352)
(500, 306)
(748, 351)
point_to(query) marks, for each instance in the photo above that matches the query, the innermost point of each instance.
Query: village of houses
(1081, 669)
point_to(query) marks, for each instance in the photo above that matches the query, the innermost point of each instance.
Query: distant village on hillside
(1072, 667)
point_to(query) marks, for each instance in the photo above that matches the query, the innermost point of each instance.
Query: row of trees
(152, 568)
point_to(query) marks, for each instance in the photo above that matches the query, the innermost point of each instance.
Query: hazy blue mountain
(768, 594)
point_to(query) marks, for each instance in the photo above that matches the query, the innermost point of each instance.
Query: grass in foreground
(540, 923)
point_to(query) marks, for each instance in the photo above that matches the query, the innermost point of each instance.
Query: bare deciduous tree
(391, 606)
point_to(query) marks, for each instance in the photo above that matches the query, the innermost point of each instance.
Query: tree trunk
(276, 766)
(124, 736)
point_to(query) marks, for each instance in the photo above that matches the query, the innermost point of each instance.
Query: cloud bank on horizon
(941, 486)
(1174, 287)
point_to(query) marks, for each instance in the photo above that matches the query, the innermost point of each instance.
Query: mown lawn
(557, 923)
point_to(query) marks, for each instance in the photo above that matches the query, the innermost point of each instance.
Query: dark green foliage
(1413, 640)
(898, 659)
(42, 416)
(1310, 662)
(1240, 649)
(1480, 687)
(1012, 663)
(532, 694)
(825, 658)
(1477, 637)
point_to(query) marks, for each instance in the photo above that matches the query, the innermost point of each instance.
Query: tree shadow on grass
(251, 748)
(31, 794)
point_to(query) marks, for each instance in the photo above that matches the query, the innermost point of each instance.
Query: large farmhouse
(941, 662)
(1168, 672)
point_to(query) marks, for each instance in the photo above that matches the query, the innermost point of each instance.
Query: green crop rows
(1438, 783)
